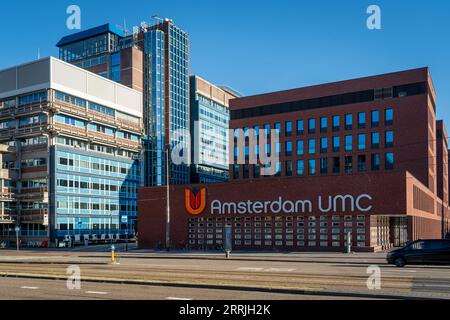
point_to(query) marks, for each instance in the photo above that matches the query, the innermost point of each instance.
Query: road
(301, 273)
(28, 289)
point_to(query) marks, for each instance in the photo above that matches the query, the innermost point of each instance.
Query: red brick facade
(401, 177)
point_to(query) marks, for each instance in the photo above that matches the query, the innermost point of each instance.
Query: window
(336, 123)
(300, 148)
(312, 167)
(323, 124)
(289, 148)
(256, 171)
(236, 171)
(289, 168)
(348, 122)
(324, 145)
(388, 117)
(348, 143)
(288, 129)
(278, 169)
(278, 127)
(324, 165)
(312, 146)
(375, 119)
(246, 171)
(300, 167)
(375, 140)
(312, 125)
(389, 161)
(375, 162)
(336, 165)
(389, 139)
(300, 127)
(348, 164)
(361, 120)
(362, 142)
(336, 144)
(362, 163)
(267, 129)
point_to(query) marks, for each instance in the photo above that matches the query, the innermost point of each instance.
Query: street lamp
(167, 151)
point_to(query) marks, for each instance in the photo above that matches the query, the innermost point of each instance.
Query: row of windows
(324, 224)
(324, 145)
(279, 218)
(270, 243)
(324, 124)
(97, 166)
(321, 165)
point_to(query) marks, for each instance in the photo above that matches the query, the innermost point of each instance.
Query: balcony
(128, 143)
(37, 216)
(68, 129)
(40, 194)
(8, 174)
(58, 106)
(35, 129)
(8, 217)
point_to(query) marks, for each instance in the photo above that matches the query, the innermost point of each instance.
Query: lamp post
(168, 199)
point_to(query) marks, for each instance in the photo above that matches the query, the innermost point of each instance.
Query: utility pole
(168, 199)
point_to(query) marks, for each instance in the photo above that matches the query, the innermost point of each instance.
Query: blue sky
(257, 46)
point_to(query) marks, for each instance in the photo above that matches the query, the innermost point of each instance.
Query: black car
(424, 252)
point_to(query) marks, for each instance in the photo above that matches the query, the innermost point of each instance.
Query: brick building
(364, 156)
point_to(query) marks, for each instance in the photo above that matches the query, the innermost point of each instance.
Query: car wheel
(400, 262)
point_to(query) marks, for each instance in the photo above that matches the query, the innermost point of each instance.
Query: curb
(314, 292)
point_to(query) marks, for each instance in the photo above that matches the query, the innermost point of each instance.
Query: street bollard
(113, 254)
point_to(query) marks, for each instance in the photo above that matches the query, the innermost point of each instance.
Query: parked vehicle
(426, 252)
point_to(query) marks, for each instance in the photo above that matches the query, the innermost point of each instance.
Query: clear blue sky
(257, 46)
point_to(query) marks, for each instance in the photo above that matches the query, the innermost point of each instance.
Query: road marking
(250, 269)
(30, 288)
(97, 292)
(279, 270)
(180, 299)
(437, 285)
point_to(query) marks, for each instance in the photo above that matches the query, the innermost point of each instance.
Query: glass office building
(210, 117)
(154, 60)
(71, 154)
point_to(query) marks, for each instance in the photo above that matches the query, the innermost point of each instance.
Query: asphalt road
(301, 272)
(28, 289)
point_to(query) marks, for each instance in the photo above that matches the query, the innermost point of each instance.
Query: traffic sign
(17, 229)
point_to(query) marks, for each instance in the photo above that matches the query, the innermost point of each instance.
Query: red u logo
(195, 201)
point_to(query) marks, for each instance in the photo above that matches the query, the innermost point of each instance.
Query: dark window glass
(362, 142)
(288, 128)
(336, 165)
(288, 148)
(324, 165)
(375, 163)
(300, 148)
(336, 144)
(246, 171)
(375, 118)
(278, 127)
(389, 161)
(336, 123)
(389, 139)
(348, 143)
(348, 164)
(256, 171)
(361, 120)
(289, 168)
(323, 124)
(236, 171)
(389, 117)
(324, 145)
(300, 127)
(312, 125)
(300, 167)
(312, 167)
(375, 140)
(362, 163)
(278, 169)
(312, 146)
(348, 122)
